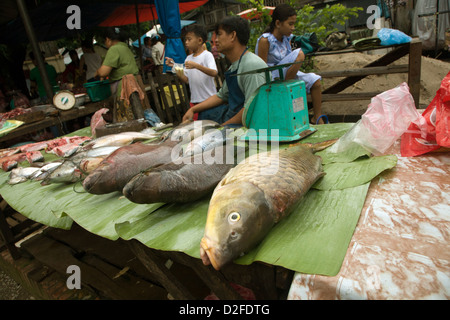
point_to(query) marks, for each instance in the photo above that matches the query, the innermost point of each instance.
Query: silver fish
(21, 174)
(189, 130)
(209, 140)
(68, 170)
(120, 139)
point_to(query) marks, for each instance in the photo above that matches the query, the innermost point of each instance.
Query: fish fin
(318, 146)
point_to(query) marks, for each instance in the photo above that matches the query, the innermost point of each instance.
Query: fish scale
(289, 183)
(253, 197)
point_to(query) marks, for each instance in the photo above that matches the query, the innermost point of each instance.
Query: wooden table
(57, 120)
(400, 248)
(379, 66)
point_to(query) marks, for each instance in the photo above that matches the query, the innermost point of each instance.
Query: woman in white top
(199, 67)
(90, 59)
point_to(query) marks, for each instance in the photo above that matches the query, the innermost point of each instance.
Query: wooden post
(6, 233)
(415, 59)
(159, 270)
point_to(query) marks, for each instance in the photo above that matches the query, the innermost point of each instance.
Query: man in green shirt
(226, 107)
(36, 79)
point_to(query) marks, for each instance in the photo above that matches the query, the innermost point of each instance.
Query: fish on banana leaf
(253, 197)
(21, 174)
(209, 140)
(45, 170)
(185, 180)
(117, 169)
(69, 171)
(189, 130)
(121, 139)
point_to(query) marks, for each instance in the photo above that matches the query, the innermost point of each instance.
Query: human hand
(189, 115)
(169, 62)
(191, 65)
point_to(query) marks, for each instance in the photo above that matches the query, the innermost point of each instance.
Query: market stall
(313, 239)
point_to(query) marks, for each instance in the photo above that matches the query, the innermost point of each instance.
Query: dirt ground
(432, 73)
(11, 290)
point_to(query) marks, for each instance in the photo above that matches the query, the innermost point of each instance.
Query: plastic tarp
(158, 30)
(49, 20)
(169, 17)
(425, 27)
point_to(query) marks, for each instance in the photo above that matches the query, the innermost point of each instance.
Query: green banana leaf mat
(313, 239)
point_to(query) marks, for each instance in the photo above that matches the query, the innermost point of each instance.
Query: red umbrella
(126, 14)
(253, 14)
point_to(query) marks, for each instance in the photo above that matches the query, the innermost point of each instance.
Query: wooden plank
(382, 61)
(8, 237)
(213, 279)
(415, 59)
(347, 96)
(52, 121)
(365, 71)
(58, 257)
(116, 252)
(132, 287)
(154, 264)
(155, 95)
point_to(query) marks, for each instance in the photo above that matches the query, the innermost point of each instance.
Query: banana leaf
(315, 237)
(351, 174)
(34, 201)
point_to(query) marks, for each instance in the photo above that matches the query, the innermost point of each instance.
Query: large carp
(253, 197)
(119, 167)
(188, 179)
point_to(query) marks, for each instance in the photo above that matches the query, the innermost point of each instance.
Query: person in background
(72, 73)
(226, 107)
(157, 51)
(91, 60)
(147, 51)
(199, 67)
(119, 62)
(36, 82)
(274, 47)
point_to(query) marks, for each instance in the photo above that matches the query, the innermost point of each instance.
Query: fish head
(238, 219)
(63, 173)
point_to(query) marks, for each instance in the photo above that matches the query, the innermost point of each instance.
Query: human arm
(103, 71)
(236, 119)
(209, 103)
(82, 64)
(194, 65)
(263, 48)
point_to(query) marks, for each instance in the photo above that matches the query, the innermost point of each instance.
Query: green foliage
(321, 21)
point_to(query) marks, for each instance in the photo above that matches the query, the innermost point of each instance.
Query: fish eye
(234, 217)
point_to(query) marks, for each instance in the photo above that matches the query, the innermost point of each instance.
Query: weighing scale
(277, 110)
(64, 100)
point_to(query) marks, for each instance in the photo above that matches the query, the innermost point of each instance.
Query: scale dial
(64, 100)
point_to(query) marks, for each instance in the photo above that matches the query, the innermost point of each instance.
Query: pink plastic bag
(387, 117)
